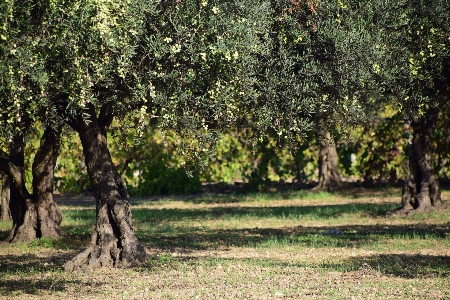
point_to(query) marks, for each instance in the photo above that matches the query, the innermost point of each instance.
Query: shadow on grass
(288, 212)
(45, 274)
(3, 235)
(154, 227)
(34, 286)
(288, 192)
(399, 265)
(354, 236)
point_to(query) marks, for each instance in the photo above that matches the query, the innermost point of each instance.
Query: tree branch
(61, 105)
(7, 167)
(106, 115)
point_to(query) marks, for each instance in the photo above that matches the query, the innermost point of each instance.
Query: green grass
(257, 246)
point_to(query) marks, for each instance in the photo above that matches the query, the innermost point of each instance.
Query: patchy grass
(286, 245)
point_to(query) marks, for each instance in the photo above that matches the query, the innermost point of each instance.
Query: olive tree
(22, 96)
(178, 65)
(313, 78)
(412, 64)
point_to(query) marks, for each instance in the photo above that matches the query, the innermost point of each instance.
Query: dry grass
(264, 246)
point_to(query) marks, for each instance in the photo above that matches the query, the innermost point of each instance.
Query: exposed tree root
(113, 244)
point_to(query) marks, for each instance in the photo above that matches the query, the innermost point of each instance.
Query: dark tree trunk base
(329, 177)
(421, 191)
(28, 230)
(38, 221)
(113, 244)
(34, 216)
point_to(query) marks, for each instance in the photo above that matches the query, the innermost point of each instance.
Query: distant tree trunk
(34, 216)
(113, 243)
(421, 191)
(329, 177)
(5, 214)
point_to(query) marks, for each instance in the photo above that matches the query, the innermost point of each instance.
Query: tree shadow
(399, 265)
(351, 236)
(3, 235)
(42, 271)
(154, 227)
(408, 266)
(232, 193)
(293, 212)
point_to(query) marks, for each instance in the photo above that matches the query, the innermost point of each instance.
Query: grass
(258, 246)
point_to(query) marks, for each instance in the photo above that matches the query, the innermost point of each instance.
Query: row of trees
(200, 67)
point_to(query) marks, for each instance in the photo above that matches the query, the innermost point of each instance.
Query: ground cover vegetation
(150, 90)
(293, 244)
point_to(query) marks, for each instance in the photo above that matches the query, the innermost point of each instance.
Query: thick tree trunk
(329, 177)
(22, 211)
(49, 215)
(421, 191)
(113, 243)
(34, 216)
(5, 214)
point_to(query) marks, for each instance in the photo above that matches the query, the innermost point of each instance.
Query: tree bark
(49, 215)
(5, 214)
(329, 177)
(34, 216)
(421, 191)
(113, 243)
(20, 200)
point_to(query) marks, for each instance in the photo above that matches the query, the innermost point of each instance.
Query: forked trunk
(329, 177)
(421, 191)
(34, 216)
(113, 243)
(5, 214)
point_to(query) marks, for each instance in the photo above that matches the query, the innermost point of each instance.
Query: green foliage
(235, 158)
(22, 73)
(162, 180)
(70, 172)
(410, 53)
(377, 154)
(195, 69)
(154, 167)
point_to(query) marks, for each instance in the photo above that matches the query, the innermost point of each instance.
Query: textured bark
(34, 216)
(22, 212)
(329, 177)
(5, 214)
(421, 191)
(113, 243)
(49, 215)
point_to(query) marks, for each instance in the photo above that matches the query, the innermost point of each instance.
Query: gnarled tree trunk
(34, 216)
(5, 214)
(329, 177)
(113, 243)
(421, 191)
(49, 215)
(20, 199)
